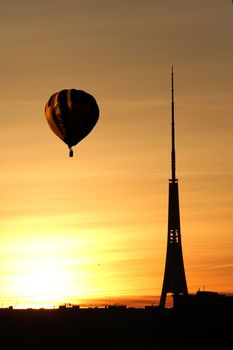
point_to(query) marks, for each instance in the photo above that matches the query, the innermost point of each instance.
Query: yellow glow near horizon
(50, 269)
(38, 271)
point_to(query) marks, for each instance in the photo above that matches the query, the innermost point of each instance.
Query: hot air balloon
(71, 114)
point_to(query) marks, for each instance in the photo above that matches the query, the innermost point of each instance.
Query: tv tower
(174, 280)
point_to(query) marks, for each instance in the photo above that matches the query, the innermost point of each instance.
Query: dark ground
(116, 328)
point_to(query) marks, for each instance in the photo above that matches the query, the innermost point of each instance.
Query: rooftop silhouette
(119, 327)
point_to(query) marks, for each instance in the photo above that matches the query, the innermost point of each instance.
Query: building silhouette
(174, 275)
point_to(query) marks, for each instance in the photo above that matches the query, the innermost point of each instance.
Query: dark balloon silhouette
(71, 115)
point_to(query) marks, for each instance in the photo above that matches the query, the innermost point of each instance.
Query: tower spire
(173, 155)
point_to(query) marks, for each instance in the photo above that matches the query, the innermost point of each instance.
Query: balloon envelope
(71, 114)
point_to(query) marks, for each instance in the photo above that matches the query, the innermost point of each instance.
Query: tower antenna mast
(173, 155)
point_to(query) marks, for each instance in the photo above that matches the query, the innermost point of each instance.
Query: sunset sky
(95, 225)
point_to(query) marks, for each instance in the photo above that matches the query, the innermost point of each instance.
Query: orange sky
(95, 226)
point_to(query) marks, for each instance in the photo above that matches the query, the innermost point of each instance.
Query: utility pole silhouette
(174, 276)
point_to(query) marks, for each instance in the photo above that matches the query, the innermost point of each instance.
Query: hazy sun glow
(46, 270)
(40, 273)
